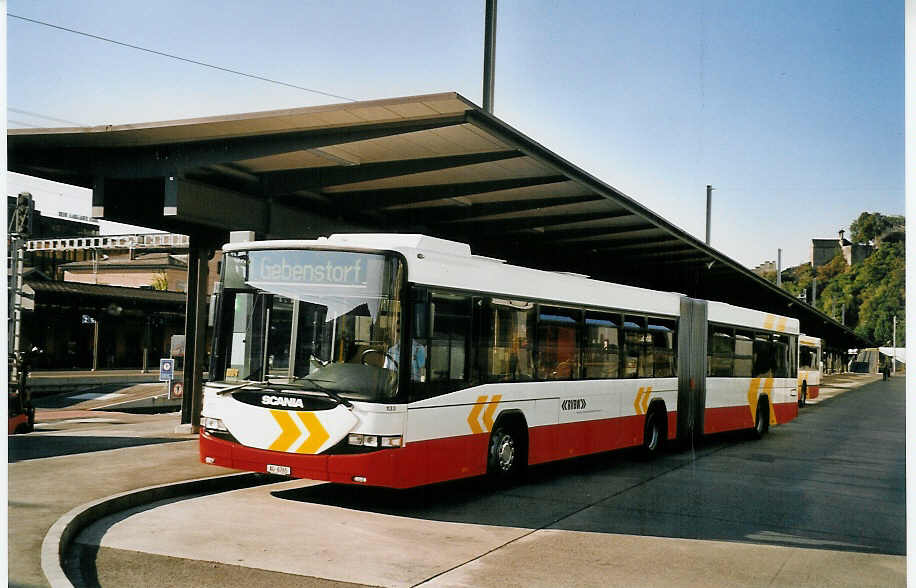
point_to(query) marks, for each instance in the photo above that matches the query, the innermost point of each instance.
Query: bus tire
(654, 432)
(803, 396)
(762, 420)
(507, 453)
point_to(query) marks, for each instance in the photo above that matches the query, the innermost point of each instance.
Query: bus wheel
(653, 434)
(506, 453)
(803, 397)
(762, 420)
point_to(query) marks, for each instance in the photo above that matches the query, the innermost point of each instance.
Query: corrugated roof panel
(533, 193)
(520, 167)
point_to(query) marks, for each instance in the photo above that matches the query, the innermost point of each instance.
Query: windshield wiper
(239, 387)
(333, 395)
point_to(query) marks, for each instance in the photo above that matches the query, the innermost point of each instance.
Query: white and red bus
(401, 360)
(810, 369)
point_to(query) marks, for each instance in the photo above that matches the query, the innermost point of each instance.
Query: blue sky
(793, 111)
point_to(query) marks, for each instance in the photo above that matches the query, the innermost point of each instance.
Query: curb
(59, 536)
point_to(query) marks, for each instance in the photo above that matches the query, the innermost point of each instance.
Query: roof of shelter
(434, 164)
(108, 292)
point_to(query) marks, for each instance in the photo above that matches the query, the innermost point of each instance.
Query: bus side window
(439, 343)
(634, 334)
(662, 334)
(782, 365)
(721, 351)
(602, 348)
(744, 354)
(503, 333)
(764, 356)
(450, 319)
(558, 343)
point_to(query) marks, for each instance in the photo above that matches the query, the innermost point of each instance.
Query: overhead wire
(44, 116)
(179, 58)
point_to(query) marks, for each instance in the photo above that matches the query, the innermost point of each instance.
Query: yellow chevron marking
(768, 322)
(752, 398)
(641, 402)
(317, 433)
(768, 390)
(475, 413)
(289, 431)
(488, 414)
(781, 325)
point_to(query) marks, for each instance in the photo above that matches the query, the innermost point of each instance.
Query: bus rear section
(810, 368)
(746, 379)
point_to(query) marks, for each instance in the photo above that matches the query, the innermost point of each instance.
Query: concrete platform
(313, 542)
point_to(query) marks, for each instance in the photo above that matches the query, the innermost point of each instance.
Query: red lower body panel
(731, 418)
(813, 391)
(438, 460)
(418, 463)
(16, 421)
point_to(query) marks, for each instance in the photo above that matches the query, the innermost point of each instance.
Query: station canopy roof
(433, 164)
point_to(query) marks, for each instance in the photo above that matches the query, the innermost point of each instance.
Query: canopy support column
(199, 255)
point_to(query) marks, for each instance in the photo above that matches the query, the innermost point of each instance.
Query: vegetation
(871, 291)
(160, 281)
(871, 225)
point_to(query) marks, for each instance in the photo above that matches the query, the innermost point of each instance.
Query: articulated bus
(402, 360)
(809, 368)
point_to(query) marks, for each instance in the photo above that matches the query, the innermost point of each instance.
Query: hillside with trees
(872, 290)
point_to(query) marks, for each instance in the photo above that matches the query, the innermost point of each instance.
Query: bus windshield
(323, 321)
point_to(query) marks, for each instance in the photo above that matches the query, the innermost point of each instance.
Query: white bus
(810, 368)
(401, 360)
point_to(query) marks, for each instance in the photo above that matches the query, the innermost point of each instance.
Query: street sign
(177, 390)
(27, 297)
(166, 370)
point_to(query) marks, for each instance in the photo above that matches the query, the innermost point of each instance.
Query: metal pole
(95, 344)
(489, 55)
(779, 268)
(894, 360)
(709, 190)
(814, 291)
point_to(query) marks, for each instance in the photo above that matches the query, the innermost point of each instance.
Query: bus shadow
(548, 494)
(25, 447)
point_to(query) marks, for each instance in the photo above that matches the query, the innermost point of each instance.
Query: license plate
(278, 469)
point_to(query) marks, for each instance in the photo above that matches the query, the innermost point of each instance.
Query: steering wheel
(362, 357)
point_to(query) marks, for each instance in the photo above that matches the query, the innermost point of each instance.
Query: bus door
(691, 379)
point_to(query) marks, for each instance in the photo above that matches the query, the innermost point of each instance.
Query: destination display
(300, 267)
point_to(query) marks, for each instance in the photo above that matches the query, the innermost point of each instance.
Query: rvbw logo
(574, 404)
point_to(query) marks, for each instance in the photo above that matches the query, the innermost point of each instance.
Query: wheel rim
(505, 453)
(652, 435)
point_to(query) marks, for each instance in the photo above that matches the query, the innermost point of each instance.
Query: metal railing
(141, 241)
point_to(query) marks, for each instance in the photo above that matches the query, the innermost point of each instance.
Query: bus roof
(439, 262)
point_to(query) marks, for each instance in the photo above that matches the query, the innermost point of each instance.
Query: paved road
(78, 456)
(734, 511)
(833, 478)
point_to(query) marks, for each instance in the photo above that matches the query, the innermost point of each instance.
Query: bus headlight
(375, 440)
(212, 424)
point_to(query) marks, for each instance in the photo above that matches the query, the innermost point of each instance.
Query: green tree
(871, 225)
(160, 281)
(880, 285)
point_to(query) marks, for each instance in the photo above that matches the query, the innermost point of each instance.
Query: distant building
(765, 268)
(824, 250)
(131, 269)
